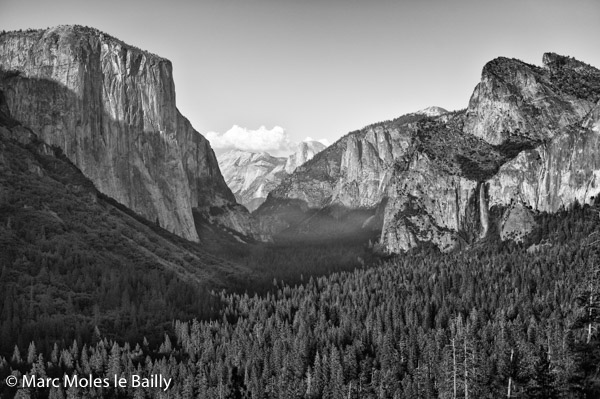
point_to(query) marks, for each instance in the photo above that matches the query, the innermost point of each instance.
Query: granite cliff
(527, 142)
(111, 108)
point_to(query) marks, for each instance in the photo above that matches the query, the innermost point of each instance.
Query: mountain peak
(506, 67)
(432, 111)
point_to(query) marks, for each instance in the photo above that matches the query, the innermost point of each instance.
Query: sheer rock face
(367, 166)
(565, 170)
(414, 215)
(111, 108)
(521, 99)
(354, 172)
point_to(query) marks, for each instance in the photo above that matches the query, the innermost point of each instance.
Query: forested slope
(481, 323)
(72, 258)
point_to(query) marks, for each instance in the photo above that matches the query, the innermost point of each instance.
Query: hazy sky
(324, 68)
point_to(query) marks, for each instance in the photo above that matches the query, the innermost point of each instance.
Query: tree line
(493, 321)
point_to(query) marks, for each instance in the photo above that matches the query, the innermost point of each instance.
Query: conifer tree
(16, 356)
(31, 353)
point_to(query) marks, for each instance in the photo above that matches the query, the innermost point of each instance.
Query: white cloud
(275, 141)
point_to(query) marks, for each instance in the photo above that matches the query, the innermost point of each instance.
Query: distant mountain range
(251, 176)
(526, 143)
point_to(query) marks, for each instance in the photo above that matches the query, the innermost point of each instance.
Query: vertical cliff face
(555, 174)
(565, 167)
(425, 205)
(367, 165)
(111, 108)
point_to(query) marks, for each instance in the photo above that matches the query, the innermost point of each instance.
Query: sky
(266, 74)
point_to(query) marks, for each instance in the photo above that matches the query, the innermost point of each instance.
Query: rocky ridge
(111, 108)
(530, 149)
(252, 176)
(528, 142)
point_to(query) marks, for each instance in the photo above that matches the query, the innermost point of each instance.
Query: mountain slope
(111, 108)
(72, 258)
(529, 136)
(524, 139)
(343, 186)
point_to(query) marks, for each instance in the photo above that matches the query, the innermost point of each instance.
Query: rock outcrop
(427, 206)
(555, 174)
(515, 98)
(111, 108)
(517, 222)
